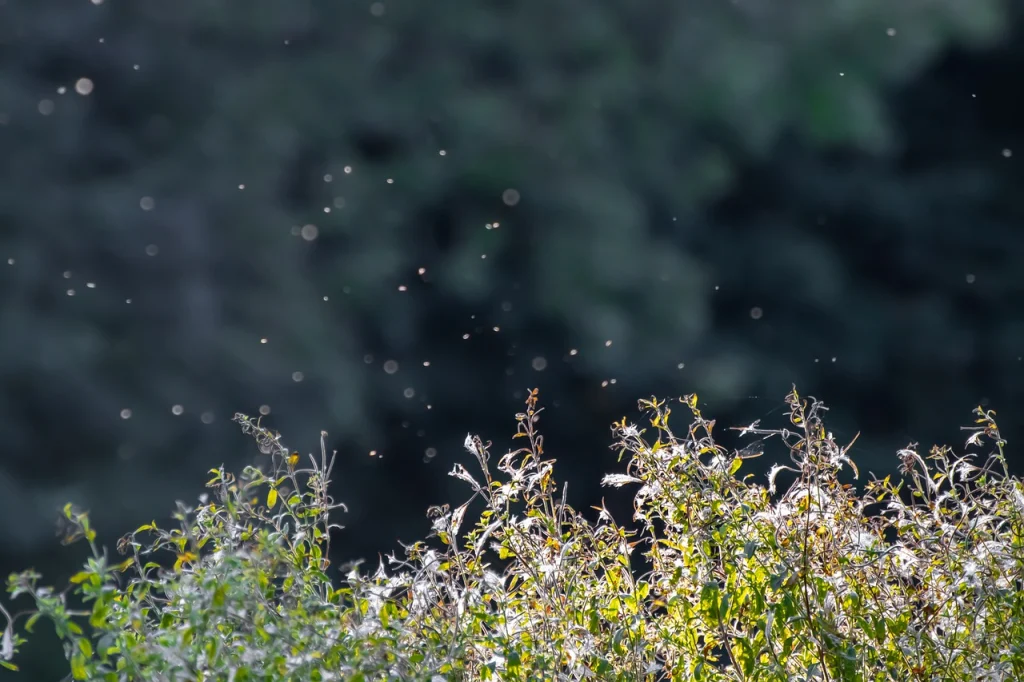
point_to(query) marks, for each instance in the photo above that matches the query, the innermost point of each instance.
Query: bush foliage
(920, 578)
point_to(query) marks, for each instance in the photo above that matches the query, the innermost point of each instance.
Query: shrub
(742, 583)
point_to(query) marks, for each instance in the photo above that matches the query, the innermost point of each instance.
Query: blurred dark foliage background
(388, 220)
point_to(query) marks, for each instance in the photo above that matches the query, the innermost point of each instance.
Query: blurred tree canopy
(221, 205)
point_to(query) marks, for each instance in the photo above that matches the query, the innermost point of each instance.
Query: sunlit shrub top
(915, 579)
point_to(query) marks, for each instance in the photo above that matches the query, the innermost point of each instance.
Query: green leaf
(710, 601)
(218, 595)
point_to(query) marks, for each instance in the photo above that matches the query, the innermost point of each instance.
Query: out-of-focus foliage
(216, 139)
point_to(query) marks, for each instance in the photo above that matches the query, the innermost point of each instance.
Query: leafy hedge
(913, 580)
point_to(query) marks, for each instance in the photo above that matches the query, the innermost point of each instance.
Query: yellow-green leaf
(184, 558)
(272, 498)
(80, 577)
(78, 670)
(219, 595)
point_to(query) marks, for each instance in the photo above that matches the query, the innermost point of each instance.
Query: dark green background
(851, 169)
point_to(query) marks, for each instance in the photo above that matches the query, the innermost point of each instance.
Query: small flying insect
(752, 451)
